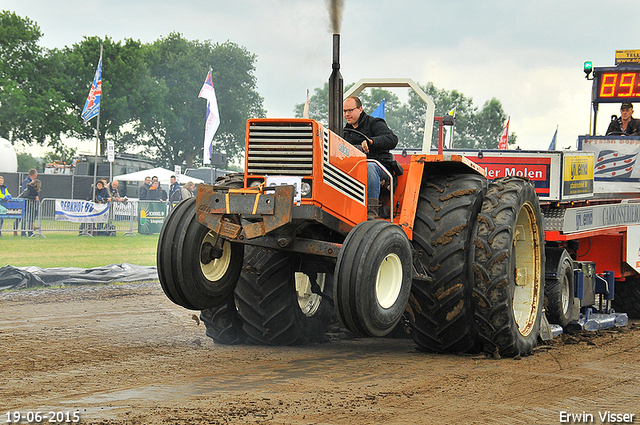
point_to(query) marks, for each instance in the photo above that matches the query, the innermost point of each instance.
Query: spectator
(33, 174)
(143, 193)
(114, 194)
(175, 194)
(155, 191)
(4, 196)
(187, 190)
(101, 195)
(31, 195)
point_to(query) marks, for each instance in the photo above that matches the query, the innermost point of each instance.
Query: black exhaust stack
(336, 87)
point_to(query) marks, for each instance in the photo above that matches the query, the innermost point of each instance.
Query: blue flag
(552, 145)
(379, 112)
(92, 105)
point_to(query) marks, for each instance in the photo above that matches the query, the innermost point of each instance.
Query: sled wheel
(276, 304)
(441, 316)
(373, 278)
(627, 298)
(509, 267)
(223, 324)
(559, 290)
(189, 272)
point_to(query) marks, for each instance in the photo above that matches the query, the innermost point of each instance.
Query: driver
(626, 125)
(379, 140)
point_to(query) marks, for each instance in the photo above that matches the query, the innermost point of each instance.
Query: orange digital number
(627, 81)
(608, 85)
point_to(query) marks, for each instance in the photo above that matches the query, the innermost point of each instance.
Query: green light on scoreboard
(588, 68)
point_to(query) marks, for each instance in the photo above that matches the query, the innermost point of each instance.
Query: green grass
(59, 249)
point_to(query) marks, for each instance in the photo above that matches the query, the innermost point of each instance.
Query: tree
(123, 77)
(60, 153)
(490, 122)
(319, 104)
(26, 162)
(27, 107)
(474, 129)
(174, 124)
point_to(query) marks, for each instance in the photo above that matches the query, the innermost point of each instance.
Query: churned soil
(124, 354)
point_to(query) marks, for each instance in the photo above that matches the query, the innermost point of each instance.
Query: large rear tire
(277, 305)
(373, 278)
(627, 298)
(509, 268)
(190, 274)
(223, 324)
(441, 315)
(559, 290)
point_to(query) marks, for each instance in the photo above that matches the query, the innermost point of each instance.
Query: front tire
(509, 268)
(559, 290)
(373, 278)
(189, 273)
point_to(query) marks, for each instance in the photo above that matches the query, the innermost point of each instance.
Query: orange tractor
(272, 256)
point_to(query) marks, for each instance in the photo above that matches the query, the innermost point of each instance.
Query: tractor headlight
(305, 189)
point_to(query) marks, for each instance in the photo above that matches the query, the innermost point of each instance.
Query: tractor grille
(339, 180)
(280, 149)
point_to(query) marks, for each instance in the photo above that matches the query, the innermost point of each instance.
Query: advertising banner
(12, 209)
(151, 216)
(81, 211)
(615, 168)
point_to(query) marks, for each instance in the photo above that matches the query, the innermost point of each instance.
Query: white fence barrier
(36, 217)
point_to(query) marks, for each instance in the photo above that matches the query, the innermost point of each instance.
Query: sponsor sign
(615, 168)
(151, 216)
(627, 57)
(578, 175)
(12, 209)
(81, 211)
(599, 216)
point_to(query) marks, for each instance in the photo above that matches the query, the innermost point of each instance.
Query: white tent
(163, 175)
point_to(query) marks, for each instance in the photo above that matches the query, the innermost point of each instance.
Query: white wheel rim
(389, 281)
(308, 301)
(565, 294)
(528, 277)
(215, 269)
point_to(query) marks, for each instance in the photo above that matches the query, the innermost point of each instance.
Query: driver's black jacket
(377, 130)
(633, 128)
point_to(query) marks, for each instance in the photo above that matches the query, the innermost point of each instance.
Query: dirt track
(127, 355)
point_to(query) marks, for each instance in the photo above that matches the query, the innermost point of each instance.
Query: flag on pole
(379, 111)
(552, 145)
(305, 112)
(92, 105)
(502, 144)
(212, 119)
(448, 131)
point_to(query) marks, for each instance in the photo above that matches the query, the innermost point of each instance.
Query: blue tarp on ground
(29, 277)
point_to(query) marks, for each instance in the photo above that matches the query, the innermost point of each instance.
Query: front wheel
(509, 267)
(195, 271)
(373, 278)
(559, 290)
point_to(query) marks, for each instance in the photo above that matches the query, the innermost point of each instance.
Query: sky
(527, 54)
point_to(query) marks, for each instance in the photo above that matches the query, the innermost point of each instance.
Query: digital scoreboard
(616, 84)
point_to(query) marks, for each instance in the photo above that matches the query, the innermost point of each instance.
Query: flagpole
(213, 182)
(95, 165)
